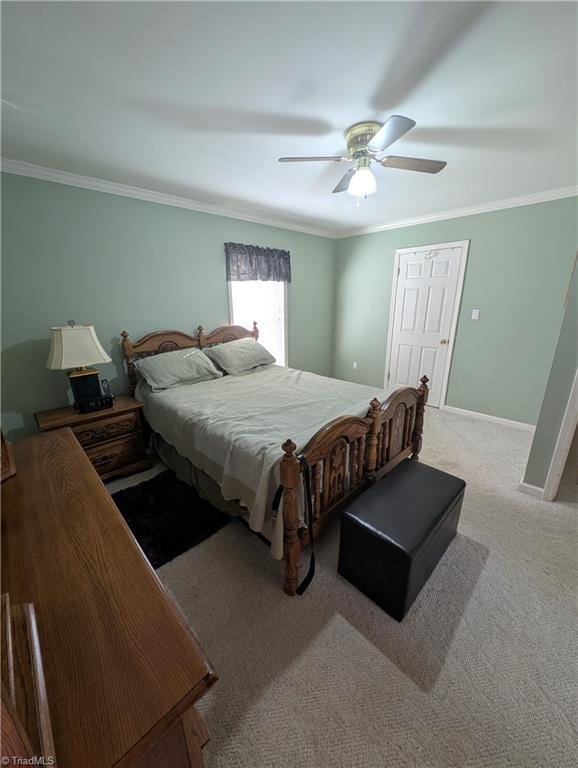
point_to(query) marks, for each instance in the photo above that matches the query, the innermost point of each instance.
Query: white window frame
(285, 316)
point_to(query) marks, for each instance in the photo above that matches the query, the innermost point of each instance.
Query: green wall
(557, 394)
(518, 271)
(117, 263)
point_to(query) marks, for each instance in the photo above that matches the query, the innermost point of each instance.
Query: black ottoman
(394, 534)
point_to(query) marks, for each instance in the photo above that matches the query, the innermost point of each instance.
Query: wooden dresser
(122, 668)
(112, 438)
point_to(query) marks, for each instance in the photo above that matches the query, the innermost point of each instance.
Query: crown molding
(457, 213)
(256, 216)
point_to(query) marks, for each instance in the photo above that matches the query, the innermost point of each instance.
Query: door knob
(445, 341)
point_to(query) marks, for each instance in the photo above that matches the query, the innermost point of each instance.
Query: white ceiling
(199, 99)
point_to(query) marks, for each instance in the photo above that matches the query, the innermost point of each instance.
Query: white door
(421, 325)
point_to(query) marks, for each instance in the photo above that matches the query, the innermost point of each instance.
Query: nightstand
(112, 438)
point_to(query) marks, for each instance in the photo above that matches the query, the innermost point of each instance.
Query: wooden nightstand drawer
(112, 438)
(109, 457)
(106, 429)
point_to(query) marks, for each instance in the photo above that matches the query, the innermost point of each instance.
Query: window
(266, 302)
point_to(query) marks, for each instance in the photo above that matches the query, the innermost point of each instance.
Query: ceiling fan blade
(344, 181)
(413, 164)
(332, 158)
(392, 130)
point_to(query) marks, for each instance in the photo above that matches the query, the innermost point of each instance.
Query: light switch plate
(354, 366)
(475, 314)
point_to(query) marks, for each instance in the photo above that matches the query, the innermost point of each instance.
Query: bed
(250, 434)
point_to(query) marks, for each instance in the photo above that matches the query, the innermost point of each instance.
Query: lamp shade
(75, 346)
(362, 183)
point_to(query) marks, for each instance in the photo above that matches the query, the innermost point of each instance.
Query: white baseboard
(488, 417)
(531, 490)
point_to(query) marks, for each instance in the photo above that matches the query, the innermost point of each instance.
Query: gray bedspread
(232, 428)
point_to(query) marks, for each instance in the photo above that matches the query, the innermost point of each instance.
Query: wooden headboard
(168, 341)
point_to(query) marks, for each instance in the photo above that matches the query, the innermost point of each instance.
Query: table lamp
(74, 348)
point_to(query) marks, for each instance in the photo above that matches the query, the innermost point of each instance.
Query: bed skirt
(204, 485)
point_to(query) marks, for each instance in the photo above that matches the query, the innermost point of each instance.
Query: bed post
(128, 356)
(371, 450)
(290, 472)
(416, 440)
(255, 331)
(201, 336)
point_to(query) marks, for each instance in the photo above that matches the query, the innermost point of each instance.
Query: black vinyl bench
(394, 534)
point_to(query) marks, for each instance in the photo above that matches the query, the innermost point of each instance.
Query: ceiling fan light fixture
(366, 142)
(362, 183)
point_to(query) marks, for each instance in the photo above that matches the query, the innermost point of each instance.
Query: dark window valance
(251, 262)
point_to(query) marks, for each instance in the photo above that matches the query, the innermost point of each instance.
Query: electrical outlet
(354, 366)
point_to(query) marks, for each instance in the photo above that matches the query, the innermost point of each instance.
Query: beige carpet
(479, 674)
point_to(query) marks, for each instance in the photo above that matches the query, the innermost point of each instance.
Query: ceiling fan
(365, 143)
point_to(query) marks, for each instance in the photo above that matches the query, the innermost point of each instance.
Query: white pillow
(184, 366)
(239, 356)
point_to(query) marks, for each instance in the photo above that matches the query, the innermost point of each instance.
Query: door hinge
(398, 270)
(388, 375)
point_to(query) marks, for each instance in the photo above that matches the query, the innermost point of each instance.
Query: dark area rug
(167, 517)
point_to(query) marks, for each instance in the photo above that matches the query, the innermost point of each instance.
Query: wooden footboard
(344, 457)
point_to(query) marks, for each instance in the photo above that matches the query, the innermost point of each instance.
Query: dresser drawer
(106, 429)
(111, 456)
